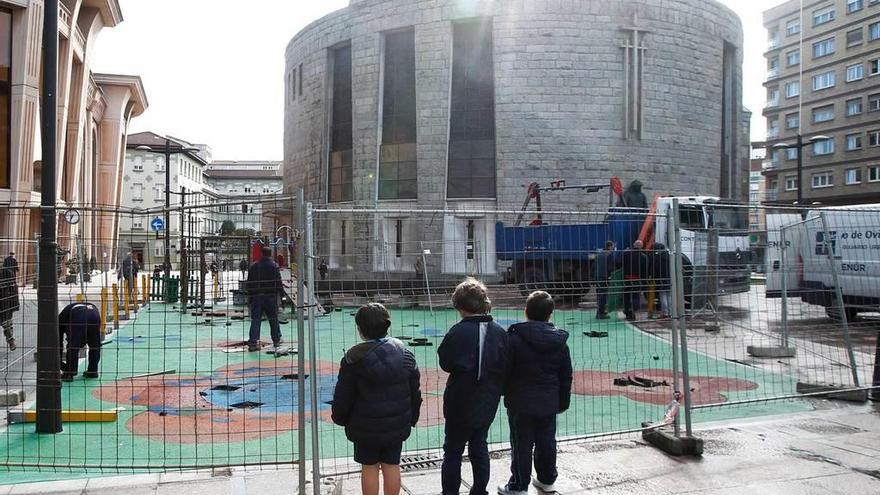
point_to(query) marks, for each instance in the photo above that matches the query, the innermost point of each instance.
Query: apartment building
(823, 85)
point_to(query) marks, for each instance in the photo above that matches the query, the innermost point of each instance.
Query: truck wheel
(851, 313)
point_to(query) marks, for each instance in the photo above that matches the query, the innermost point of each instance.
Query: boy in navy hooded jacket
(475, 353)
(539, 388)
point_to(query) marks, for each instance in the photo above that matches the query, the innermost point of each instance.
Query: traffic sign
(157, 224)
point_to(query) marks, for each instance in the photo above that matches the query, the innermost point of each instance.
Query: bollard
(103, 312)
(144, 299)
(216, 291)
(126, 299)
(115, 307)
(80, 298)
(133, 299)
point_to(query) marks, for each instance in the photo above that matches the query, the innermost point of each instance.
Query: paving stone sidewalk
(835, 451)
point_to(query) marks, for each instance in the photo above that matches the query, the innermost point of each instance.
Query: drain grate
(417, 462)
(246, 405)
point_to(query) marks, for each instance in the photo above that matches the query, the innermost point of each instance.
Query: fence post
(678, 303)
(875, 385)
(300, 328)
(308, 245)
(844, 323)
(103, 312)
(682, 325)
(783, 269)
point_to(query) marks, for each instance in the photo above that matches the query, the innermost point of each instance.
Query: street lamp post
(799, 145)
(168, 150)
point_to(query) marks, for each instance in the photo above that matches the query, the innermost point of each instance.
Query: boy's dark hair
(373, 321)
(472, 296)
(539, 306)
(609, 245)
(266, 252)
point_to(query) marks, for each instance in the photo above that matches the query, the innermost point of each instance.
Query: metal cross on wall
(633, 69)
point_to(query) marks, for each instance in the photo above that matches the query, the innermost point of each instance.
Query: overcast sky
(213, 69)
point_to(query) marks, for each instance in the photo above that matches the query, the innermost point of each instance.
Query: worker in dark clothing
(243, 266)
(633, 197)
(263, 288)
(11, 263)
(635, 278)
(81, 323)
(9, 302)
(603, 269)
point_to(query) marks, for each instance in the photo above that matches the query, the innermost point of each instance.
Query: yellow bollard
(80, 298)
(144, 299)
(103, 312)
(216, 288)
(134, 294)
(126, 299)
(115, 307)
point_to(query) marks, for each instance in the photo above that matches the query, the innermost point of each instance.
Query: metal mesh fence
(743, 320)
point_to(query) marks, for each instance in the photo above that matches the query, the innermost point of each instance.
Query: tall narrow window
(471, 171)
(397, 164)
(471, 239)
(343, 241)
(299, 81)
(398, 238)
(5, 96)
(341, 155)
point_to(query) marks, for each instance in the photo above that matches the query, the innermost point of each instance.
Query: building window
(6, 97)
(854, 6)
(793, 57)
(823, 147)
(855, 72)
(874, 67)
(792, 27)
(823, 114)
(138, 167)
(823, 179)
(791, 153)
(824, 80)
(793, 120)
(291, 85)
(248, 189)
(853, 176)
(823, 16)
(137, 192)
(874, 173)
(398, 162)
(854, 37)
(874, 103)
(472, 115)
(398, 238)
(299, 81)
(853, 142)
(341, 153)
(853, 107)
(823, 48)
(791, 183)
(773, 97)
(874, 138)
(874, 31)
(792, 89)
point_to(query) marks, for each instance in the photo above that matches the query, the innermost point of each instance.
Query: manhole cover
(246, 405)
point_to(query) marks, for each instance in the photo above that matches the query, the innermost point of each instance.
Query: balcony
(773, 102)
(773, 43)
(769, 165)
(773, 73)
(772, 133)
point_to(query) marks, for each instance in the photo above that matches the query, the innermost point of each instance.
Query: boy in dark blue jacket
(475, 353)
(539, 388)
(377, 399)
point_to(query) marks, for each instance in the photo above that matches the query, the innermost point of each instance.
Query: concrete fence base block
(771, 352)
(665, 440)
(847, 395)
(11, 397)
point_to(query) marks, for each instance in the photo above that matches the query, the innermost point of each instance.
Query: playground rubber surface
(209, 402)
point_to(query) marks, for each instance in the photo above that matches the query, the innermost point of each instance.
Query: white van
(851, 242)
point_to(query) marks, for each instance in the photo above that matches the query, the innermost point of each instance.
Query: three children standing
(377, 397)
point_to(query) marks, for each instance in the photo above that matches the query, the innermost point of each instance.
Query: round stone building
(458, 105)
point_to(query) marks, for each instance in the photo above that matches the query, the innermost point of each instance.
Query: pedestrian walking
(603, 268)
(11, 262)
(635, 278)
(243, 266)
(323, 269)
(377, 399)
(128, 271)
(660, 275)
(539, 388)
(81, 324)
(475, 353)
(263, 288)
(9, 302)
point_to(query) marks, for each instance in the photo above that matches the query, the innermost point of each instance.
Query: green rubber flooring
(216, 405)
